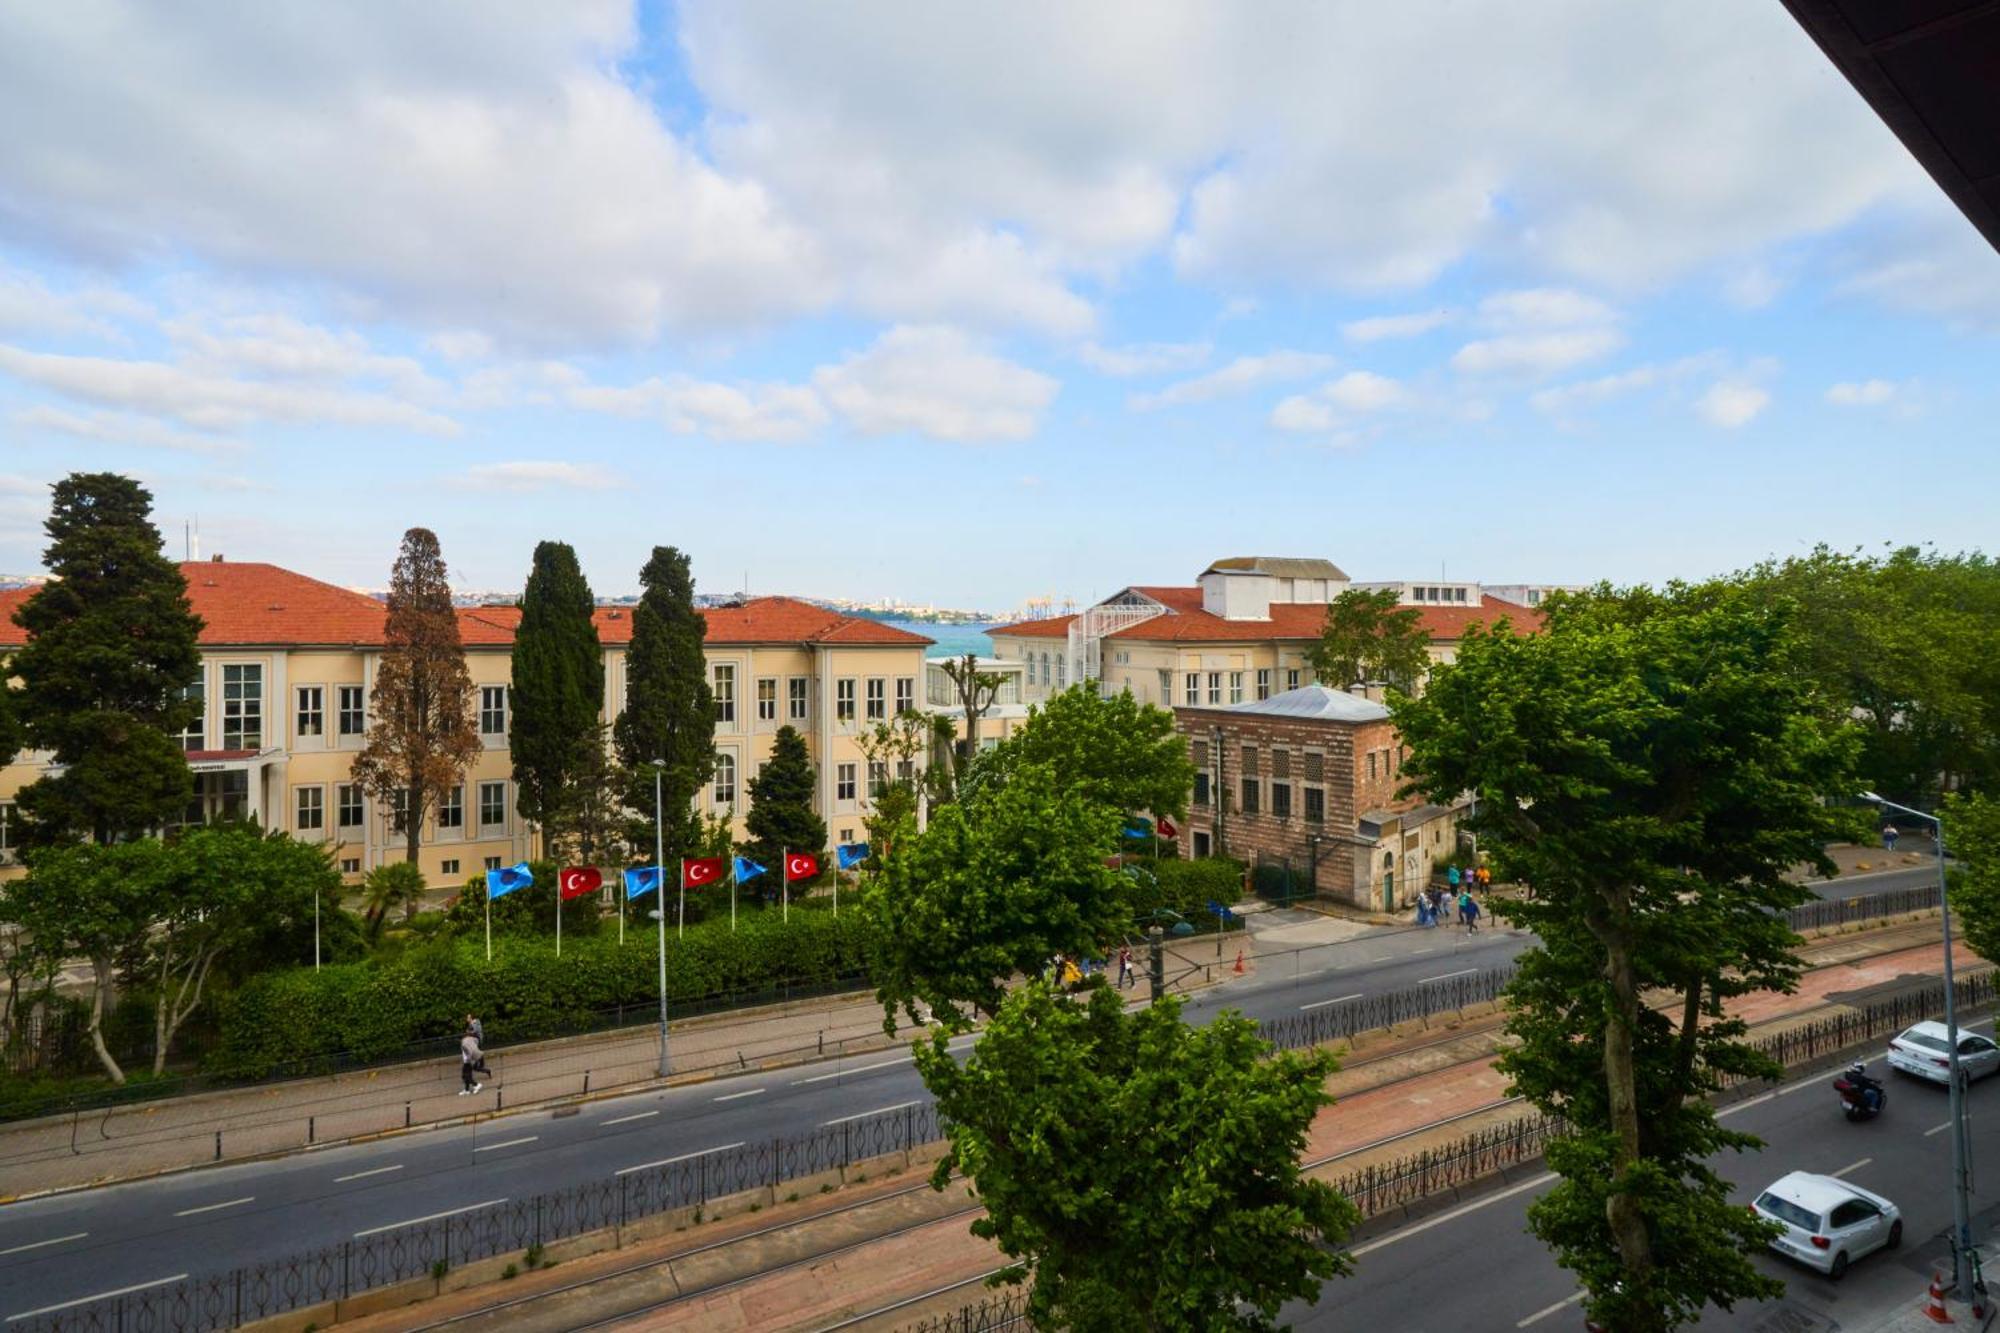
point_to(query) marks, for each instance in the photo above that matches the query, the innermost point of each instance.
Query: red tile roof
(243, 604)
(1185, 621)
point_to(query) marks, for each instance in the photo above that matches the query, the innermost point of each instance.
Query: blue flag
(851, 854)
(747, 869)
(641, 880)
(500, 883)
(1139, 828)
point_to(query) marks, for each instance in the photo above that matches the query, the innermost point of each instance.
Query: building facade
(288, 670)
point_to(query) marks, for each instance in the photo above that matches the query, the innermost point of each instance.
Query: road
(1501, 1278)
(75, 1246)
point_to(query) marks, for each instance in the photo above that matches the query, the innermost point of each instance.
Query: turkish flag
(576, 882)
(800, 865)
(1166, 828)
(701, 870)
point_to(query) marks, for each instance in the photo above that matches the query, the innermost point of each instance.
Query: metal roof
(1314, 701)
(1278, 566)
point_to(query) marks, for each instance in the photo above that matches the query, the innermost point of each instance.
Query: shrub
(1186, 887)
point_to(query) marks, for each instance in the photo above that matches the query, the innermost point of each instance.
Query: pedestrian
(1485, 878)
(1889, 835)
(1425, 916)
(1125, 977)
(471, 1060)
(1451, 874)
(1468, 907)
(476, 1028)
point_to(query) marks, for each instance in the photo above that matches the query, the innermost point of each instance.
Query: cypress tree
(669, 709)
(423, 739)
(558, 692)
(781, 804)
(111, 653)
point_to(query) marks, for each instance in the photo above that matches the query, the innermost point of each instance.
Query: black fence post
(346, 1269)
(218, 1145)
(312, 1127)
(775, 1141)
(406, 1115)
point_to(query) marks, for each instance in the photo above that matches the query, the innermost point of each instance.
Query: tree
(388, 886)
(1118, 752)
(669, 709)
(1652, 767)
(994, 887)
(10, 726)
(557, 694)
(976, 691)
(590, 810)
(1368, 638)
(781, 803)
(1155, 1182)
(892, 747)
(1972, 831)
(107, 669)
(423, 738)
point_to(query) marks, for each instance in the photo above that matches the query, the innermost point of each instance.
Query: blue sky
(971, 306)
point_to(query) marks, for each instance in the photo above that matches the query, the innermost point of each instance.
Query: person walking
(476, 1028)
(1468, 908)
(471, 1060)
(1889, 835)
(1125, 977)
(1451, 875)
(1485, 878)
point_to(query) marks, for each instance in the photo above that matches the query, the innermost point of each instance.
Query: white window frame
(1263, 682)
(1194, 689)
(492, 716)
(798, 699)
(722, 684)
(843, 699)
(195, 735)
(247, 707)
(1215, 688)
(358, 713)
(725, 780)
(767, 698)
(452, 803)
(314, 796)
(342, 805)
(1236, 687)
(906, 695)
(844, 776)
(485, 788)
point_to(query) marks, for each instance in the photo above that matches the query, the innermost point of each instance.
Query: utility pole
(1155, 940)
(660, 904)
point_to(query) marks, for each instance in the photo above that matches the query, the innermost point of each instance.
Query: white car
(1925, 1051)
(1827, 1222)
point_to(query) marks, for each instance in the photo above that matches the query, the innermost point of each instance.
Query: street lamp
(660, 902)
(1961, 1207)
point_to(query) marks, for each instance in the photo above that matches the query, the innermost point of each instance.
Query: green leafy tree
(1117, 752)
(1651, 766)
(993, 888)
(388, 886)
(423, 738)
(976, 692)
(1972, 831)
(1141, 1173)
(556, 697)
(669, 709)
(892, 748)
(1368, 638)
(106, 672)
(781, 806)
(10, 725)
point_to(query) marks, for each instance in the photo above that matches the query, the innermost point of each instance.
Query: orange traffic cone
(1935, 1310)
(1239, 962)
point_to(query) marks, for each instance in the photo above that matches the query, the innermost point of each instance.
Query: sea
(952, 640)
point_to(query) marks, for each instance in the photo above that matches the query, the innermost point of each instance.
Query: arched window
(725, 780)
(1062, 671)
(1045, 668)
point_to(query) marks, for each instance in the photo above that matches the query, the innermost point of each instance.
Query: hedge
(1186, 887)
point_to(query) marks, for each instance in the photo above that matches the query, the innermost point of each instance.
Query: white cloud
(1543, 308)
(1732, 403)
(29, 305)
(689, 406)
(1356, 393)
(1565, 399)
(1239, 376)
(1143, 358)
(1867, 393)
(537, 475)
(936, 382)
(117, 428)
(1376, 328)
(282, 347)
(1535, 353)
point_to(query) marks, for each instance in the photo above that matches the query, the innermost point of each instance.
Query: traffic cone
(1935, 1310)
(1239, 962)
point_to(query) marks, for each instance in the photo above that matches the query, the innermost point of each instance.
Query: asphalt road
(1496, 1276)
(75, 1246)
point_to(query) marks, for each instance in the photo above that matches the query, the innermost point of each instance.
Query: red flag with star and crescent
(1167, 828)
(576, 881)
(800, 865)
(700, 871)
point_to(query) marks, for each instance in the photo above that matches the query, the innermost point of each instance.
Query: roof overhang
(1931, 71)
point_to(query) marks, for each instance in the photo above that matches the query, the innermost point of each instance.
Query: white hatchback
(1925, 1051)
(1827, 1222)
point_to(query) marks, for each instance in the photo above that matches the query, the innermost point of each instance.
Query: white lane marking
(100, 1296)
(412, 1221)
(821, 1078)
(1452, 1216)
(1321, 1004)
(1852, 1166)
(863, 1115)
(216, 1207)
(628, 1119)
(669, 1161)
(1425, 981)
(363, 1175)
(1934, 1129)
(39, 1244)
(732, 1096)
(1419, 953)
(1557, 1308)
(509, 1143)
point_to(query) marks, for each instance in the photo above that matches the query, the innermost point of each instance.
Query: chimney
(215, 559)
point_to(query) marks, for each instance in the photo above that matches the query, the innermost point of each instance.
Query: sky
(973, 304)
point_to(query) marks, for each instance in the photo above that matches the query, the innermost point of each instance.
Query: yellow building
(289, 663)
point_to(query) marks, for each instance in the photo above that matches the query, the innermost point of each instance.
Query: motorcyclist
(1867, 1090)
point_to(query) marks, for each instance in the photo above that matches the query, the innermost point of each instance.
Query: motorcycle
(1861, 1098)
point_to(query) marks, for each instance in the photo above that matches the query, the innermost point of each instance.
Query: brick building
(1309, 778)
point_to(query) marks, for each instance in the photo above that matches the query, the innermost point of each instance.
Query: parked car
(1925, 1051)
(1827, 1222)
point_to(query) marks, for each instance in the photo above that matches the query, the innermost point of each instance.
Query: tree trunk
(413, 819)
(170, 1015)
(100, 982)
(1622, 1211)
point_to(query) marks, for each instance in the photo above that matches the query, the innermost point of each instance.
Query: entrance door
(1388, 890)
(1200, 845)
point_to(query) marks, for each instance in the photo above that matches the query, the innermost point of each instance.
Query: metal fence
(1338, 1021)
(336, 1272)
(992, 1315)
(1828, 912)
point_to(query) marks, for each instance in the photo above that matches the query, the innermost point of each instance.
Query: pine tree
(669, 709)
(423, 739)
(105, 674)
(781, 803)
(558, 692)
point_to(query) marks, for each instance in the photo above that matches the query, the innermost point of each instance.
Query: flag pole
(489, 923)
(559, 896)
(785, 883)
(681, 907)
(732, 895)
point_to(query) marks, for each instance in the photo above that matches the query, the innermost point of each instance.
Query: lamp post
(1961, 1207)
(660, 903)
